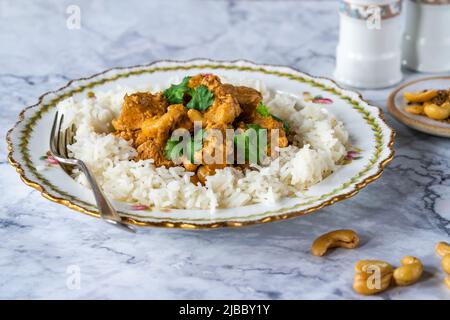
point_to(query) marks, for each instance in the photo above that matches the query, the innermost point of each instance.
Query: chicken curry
(197, 106)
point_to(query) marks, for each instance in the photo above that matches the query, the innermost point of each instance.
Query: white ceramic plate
(371, 138)
(397, 104)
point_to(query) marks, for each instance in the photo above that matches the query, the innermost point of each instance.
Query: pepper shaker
(426, 42)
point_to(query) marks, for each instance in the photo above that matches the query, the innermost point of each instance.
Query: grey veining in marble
(404, 213)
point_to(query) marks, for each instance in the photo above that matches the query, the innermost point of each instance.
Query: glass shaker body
(426, 41)
(369, 51)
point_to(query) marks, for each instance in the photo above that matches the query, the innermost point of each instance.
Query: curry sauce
(148, 122)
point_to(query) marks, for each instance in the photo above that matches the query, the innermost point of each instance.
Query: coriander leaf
(253, 148)
(254, 126)
(262, 110)
(195, 145)
(172, 151)
(200, 134)
(249, 142)
(241, 144)
(175, 93)
(253, 143)
(202, 98)
(190, 149)
(239, 139)
(285, 123)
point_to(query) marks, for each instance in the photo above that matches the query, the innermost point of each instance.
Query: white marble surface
(404, 213)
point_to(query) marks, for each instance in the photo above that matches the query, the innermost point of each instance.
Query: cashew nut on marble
(338, 238)
(410, 271)
(372, 276)
(446, 263)
(442, 249)
(447, 281)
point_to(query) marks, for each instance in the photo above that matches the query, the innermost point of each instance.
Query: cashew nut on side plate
(420, 96)
(338, 238)
(435, 104)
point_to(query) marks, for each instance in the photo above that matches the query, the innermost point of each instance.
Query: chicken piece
(217, 151)
(195, 115)
(160, 127)
(194, 180)
(240, 126)
(138, 107)
(185, 123)
(223, 111)
(153, 149)
(204, 171)
(155, 132)
(248, 99)
(211, 81)
(129, 135)
(270, 123)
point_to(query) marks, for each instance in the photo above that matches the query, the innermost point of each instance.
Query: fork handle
(107, 211)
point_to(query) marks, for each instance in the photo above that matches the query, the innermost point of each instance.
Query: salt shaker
(369, 51)
(426, 41)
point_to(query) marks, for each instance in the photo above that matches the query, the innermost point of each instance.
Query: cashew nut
(446, 105)
(442, 248)
(410, 271)
(415, 109)
(436, 112)
(372, 276)
(446, 263)
(420, 96)
(338, 238)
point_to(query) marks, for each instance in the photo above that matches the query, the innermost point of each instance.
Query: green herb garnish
(263, 110)
(174, 149)
(175, 93)
(250, 143)
(285, 123)
(195, 145)
(254, 126)
(202, 98)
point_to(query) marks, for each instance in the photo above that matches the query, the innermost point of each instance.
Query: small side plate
(396, 106)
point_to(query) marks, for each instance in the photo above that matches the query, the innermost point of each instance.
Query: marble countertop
(45, 246)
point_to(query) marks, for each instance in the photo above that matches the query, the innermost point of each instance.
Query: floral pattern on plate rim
(318, 99)
(49, 160)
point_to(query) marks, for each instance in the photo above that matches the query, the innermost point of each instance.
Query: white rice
(320, 144)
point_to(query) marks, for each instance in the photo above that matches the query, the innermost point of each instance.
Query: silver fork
(58, 147)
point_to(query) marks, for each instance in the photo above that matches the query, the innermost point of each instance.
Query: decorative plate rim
(411, 122)
(281, 216)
